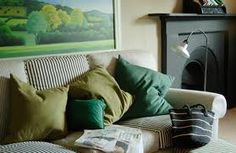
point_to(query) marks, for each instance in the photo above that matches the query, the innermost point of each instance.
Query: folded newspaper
(115, 139)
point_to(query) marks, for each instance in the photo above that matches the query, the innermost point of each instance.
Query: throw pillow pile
(98, 83)
(96, 99)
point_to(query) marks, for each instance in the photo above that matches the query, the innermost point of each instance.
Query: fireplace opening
(193, 76)
(193, 71)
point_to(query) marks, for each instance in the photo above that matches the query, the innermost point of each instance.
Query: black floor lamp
(181, 50)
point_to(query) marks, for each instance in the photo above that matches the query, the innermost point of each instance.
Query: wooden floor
(227, 127)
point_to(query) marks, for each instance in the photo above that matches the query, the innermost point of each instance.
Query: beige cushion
(150, 142)
(108, 59)
(15, 67)
(156, 131)
(6, 67)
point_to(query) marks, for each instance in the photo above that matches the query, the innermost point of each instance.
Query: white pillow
(108, 59)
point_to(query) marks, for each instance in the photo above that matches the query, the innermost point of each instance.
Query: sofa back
(55, 71)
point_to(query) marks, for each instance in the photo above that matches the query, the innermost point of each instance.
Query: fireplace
(193, 71)
(189, 73)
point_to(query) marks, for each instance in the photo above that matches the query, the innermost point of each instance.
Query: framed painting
(39, 27)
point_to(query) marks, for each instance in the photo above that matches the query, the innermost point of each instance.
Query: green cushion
(35, 115)
(85, 114)
(149, 88)
(98, 83)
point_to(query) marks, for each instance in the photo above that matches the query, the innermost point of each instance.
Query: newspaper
(115, 139)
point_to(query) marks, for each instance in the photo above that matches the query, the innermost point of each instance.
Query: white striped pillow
(55, 71)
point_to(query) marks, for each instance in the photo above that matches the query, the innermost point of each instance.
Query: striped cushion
(216, 146)
(33, 146)
(56, 71)
(158, 124)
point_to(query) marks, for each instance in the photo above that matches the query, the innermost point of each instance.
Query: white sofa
(156, 131)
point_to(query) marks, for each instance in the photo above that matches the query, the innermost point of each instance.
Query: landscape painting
(39, 27)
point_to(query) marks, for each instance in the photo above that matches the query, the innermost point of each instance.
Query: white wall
(230, 5)
(138, 31)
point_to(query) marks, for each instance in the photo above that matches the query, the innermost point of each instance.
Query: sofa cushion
(69, 140)
(35, 115)
(55, 71)
(156, 134)
(85, 114)
(161, 128)
(6, 67)
(98, 83)
(34, 146)
(108, 59)
(148, 86)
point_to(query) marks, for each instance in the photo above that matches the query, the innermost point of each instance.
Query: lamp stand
(206, 56)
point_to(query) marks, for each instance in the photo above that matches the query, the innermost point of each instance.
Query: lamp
(181, 50)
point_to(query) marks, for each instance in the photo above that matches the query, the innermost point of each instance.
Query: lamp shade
(181, 50)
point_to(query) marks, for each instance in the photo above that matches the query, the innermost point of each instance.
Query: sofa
(59, 70)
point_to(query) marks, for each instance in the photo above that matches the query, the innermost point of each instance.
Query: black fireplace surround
(189, 73)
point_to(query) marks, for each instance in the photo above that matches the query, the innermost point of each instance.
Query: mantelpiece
(189, 16)
(221, 30)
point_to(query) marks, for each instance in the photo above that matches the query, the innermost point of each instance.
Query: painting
(39, 27)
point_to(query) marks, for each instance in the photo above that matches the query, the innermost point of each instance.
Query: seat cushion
(214, 146)
(35, 146)
(69, 140)
(159, 127)
(156, 134)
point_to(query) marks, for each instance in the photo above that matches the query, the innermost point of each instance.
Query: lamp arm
(198, 30)
(206, 56)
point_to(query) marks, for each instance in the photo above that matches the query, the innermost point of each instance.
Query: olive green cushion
(98, 83)
(35, 115)
(85, 114)
(149, 88)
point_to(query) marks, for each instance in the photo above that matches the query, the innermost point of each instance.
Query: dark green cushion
(99, 84)
(85, 114)
(35, 114)
(149, 88)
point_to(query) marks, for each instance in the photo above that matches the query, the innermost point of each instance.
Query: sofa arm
(213, 101)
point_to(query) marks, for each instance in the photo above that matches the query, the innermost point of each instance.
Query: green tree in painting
(77, 17)
(36, 23)
(65, 18)
(12, 2)
(52, 17)
(7, 38)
